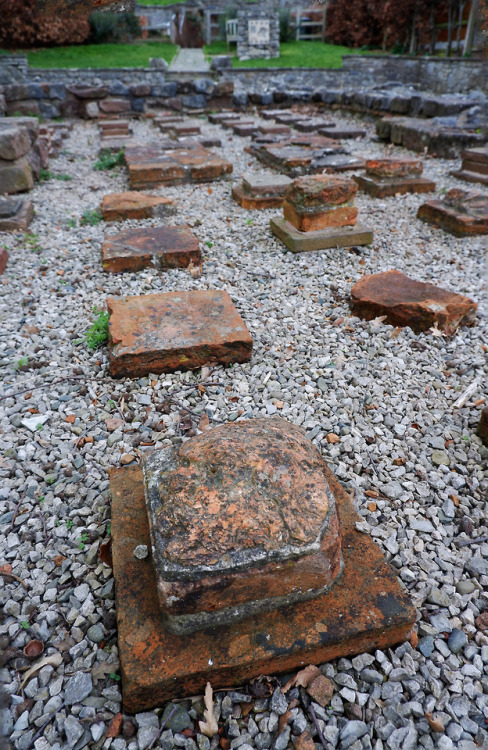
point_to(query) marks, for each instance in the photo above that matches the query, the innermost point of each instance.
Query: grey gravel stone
(457, 640)
(278, 703)
(78, 687)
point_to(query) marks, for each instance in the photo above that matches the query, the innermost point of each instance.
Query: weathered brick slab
(156, 247)
(312, 125)
(406, 302)
(252, 202)
(218, 117)
(322, 239)
(115, 143)
(153, 165)
(305, 154)
(259, 191)
(232, 122)
(482, 430)
(342, 132)
(460, 212)
(244, 129)
(383, 188)
(420, 134)
(188, 127)
(289, 118)
(310, 221)
(364, 610)
(15, 214)
(386, 168)
(242, 521)
(270, 129)
(134, 205)
(321, 191)
(175, 331)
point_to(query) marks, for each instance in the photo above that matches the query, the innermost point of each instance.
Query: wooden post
(468, 39)
(297, 21)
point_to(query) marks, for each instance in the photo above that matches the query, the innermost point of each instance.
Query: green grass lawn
(101, 55)
(292, 55)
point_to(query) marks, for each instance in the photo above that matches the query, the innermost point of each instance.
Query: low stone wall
(377, 84)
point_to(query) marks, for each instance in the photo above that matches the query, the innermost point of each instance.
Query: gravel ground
(416, 467)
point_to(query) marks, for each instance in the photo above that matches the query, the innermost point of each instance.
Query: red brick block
(174, 331)
(134, 205)
(394, 167)
(309, 221)
(406, 302)
(156, 247)
(154, 164)
(320, 191)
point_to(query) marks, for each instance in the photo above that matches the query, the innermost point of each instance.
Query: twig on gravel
(470, 390)
(16, 513)
(41, 729)
(161, 728)
(317, 727)
(83, 434)
(43, 385)
(474, 540)
(16, 578)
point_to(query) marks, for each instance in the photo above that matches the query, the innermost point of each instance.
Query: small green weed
(209, 244)
(69, 523)
(23, 361)
(107, 160)
(31, 241)
(41, 499)
(39, 427)
(25, 624)
(109, 529)
(44, 174)
(71, 223)
(114, 676)
(92, 216)
(97, 334)
(110, 404)
(82, 540)
(249, 221)
(63, 177)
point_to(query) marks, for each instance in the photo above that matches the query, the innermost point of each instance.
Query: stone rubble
(415, 463)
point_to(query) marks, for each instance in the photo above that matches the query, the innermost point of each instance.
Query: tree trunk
(468, 39)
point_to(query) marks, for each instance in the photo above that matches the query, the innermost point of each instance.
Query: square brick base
(245, 200)
(303, 242)
(383, 188)
(364, 610)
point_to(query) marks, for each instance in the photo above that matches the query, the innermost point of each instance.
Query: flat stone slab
(322, 239)
(244, 129)
(406, 302)
(151, 165)
(217, 117)
(270, 129)
(384, 187)
(365, 609)
(134, 205)
(187, 127)
(460, 212)
(474, 166)
(342, 132)
(154, 247)
(420, 134)
(311, 125)
(159, 333)
(15, 214)
(242, 521)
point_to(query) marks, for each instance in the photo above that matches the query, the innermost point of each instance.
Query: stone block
(242, 521)
(342, 132)
(154, 247)
(154, 164)
(365, 609)
(309, 221)
(14, 143)
(88, 92)
(383, 188)
(217, 117)
(394, 167)
(474, 166)
(3, 260)
(15, 214)
(260, 191)
(114, 106)
(321, 239)
(317, 192)
(482, 430)
(24, 107)
(406, 302)
(134, 205)
(270, 129)
(175, 331)
(460, 212)
(186, 127)
(311, 124)
(16, 176)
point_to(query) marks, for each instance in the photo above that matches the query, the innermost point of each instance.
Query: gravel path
(416, 467)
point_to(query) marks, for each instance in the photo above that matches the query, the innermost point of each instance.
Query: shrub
(23, 25)
(113, 27)
(97, 334)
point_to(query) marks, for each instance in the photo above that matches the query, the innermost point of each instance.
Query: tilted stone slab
(151, 165)
(312, 125)
(365, 609)
(175, 331)
(460, 212)
(407, 302)
(242, 521)
(419, 134)
(387, 177)
(259, 191)
(270, 129)
(321, 239)
(217, 117)
(15, 214)
(154, 247)
(135, 205)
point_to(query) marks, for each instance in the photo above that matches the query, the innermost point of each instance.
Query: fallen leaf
(7, 568)
(114, 423)
(195, 270)
(283, 721)
(54, 661)
(65, 645)
(414, 639)
(399, 461)
(372, 493)
(435, 331)
(102, 669)
(208, 727)
(263, 686)
(246, 708)
(224, 743)
(70, 418)
(378, 321)
(302, 678)
(395, 332)
(59, 560)
(435, 724)
(204, 423)
(115, 726)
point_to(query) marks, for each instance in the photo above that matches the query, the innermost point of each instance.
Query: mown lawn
(101, 55)
(292, 55)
